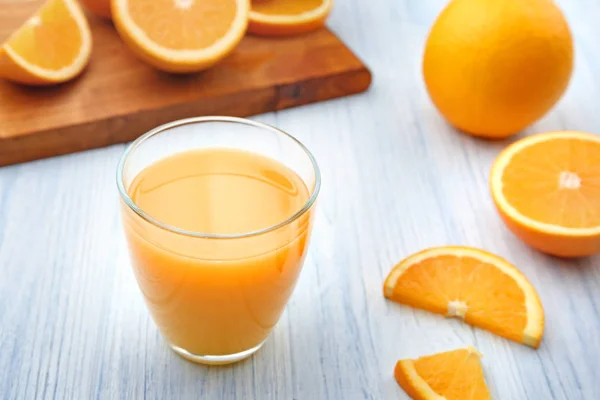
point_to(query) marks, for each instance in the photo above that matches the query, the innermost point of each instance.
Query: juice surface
(217, 296)
(219, 191)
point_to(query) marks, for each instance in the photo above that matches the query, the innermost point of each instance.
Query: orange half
(478, 287)
(452, 375)
(288, 17)
(52, 47)
(181, 35)
(546, 188)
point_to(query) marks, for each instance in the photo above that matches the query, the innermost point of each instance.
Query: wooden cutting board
(119, 98)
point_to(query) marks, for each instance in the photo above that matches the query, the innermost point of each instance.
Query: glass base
(216, 360)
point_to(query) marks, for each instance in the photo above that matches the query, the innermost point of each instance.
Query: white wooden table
(396, 179)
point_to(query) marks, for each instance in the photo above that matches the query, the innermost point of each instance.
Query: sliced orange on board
(452, 375)
(288, 17)
(53, 46)
(478, 287)
(547, 190)
(181, 35)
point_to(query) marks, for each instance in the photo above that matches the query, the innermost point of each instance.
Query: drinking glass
(216, 297)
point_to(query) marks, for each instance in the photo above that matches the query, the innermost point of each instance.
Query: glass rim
(194, 120)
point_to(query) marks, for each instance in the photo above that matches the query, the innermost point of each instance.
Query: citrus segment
(547, 190)
(288, 17)
(181, 35)
(470, 284)
(53, 46)
(452, 375)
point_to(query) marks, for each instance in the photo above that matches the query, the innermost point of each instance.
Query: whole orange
(493, 67)
(99, 7)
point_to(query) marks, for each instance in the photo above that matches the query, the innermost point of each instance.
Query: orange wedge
(480, 288)
(52, 47)
(181, 35)
(453, 375)
(547, 190)
(288, 17)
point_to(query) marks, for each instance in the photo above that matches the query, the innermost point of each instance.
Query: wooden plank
(118, 97)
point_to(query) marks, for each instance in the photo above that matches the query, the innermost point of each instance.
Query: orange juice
(219, 292)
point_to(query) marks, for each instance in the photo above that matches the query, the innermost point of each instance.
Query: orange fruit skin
(556, 244)
(404, 383)
(452, 375)
(101, 8)
(493, 67)
(430, 301)
(559, 246)
(167, 65)
(160, 64)
(18, 67)
(19, 75)
(267, 29)
(288, 18)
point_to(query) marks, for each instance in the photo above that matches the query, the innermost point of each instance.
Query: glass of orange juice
(217, 212)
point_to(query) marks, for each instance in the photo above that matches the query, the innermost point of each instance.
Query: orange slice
(453, 375)
(547, 190)
(52, 47)
(288, 17)
(181, 35)
(480, 288)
